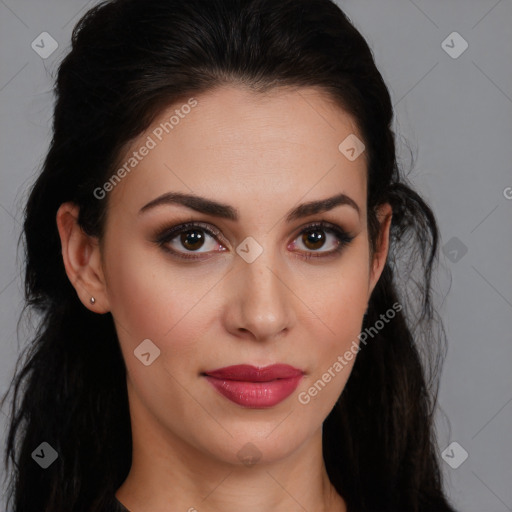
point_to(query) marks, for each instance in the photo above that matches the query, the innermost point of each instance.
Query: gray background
(456, 115)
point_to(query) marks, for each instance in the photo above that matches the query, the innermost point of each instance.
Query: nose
(260, 303)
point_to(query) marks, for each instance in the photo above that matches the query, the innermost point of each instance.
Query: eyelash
(169, 234)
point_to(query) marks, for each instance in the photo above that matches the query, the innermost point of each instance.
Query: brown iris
(192, 239)
(311, 238)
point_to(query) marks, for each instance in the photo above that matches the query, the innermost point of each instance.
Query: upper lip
(249, 373)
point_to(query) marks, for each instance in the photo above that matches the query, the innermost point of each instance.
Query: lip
(252, 387)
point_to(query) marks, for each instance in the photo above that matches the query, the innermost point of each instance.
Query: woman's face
(238, 288)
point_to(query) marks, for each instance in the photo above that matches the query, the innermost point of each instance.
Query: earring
(92, 300)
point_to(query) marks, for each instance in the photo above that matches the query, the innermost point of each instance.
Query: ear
(384, 215)
(82, 259)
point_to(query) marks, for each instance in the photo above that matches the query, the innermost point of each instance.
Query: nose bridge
(263, 302)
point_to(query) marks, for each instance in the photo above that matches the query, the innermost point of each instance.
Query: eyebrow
(225, 211)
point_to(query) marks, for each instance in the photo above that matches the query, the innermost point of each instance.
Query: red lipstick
(253, 387)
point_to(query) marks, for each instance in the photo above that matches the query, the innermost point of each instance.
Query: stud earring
(92, 300)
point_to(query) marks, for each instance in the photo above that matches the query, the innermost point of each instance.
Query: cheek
(151, 298)
(338, 299)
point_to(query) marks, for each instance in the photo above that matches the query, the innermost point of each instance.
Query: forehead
(239, 146)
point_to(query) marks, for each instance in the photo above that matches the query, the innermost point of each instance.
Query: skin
(261, 154)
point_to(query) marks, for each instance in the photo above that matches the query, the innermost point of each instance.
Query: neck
(168, 474)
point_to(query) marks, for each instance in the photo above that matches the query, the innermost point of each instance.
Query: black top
(118, 506)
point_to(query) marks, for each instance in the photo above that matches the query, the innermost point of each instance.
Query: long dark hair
(129, 59)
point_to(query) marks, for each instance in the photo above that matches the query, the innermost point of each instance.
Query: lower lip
(255, 394)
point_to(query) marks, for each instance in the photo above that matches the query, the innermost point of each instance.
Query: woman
(216, 244)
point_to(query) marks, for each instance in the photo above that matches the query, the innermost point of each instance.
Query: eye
(192, 237)
(313, 237)
(200, 238)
